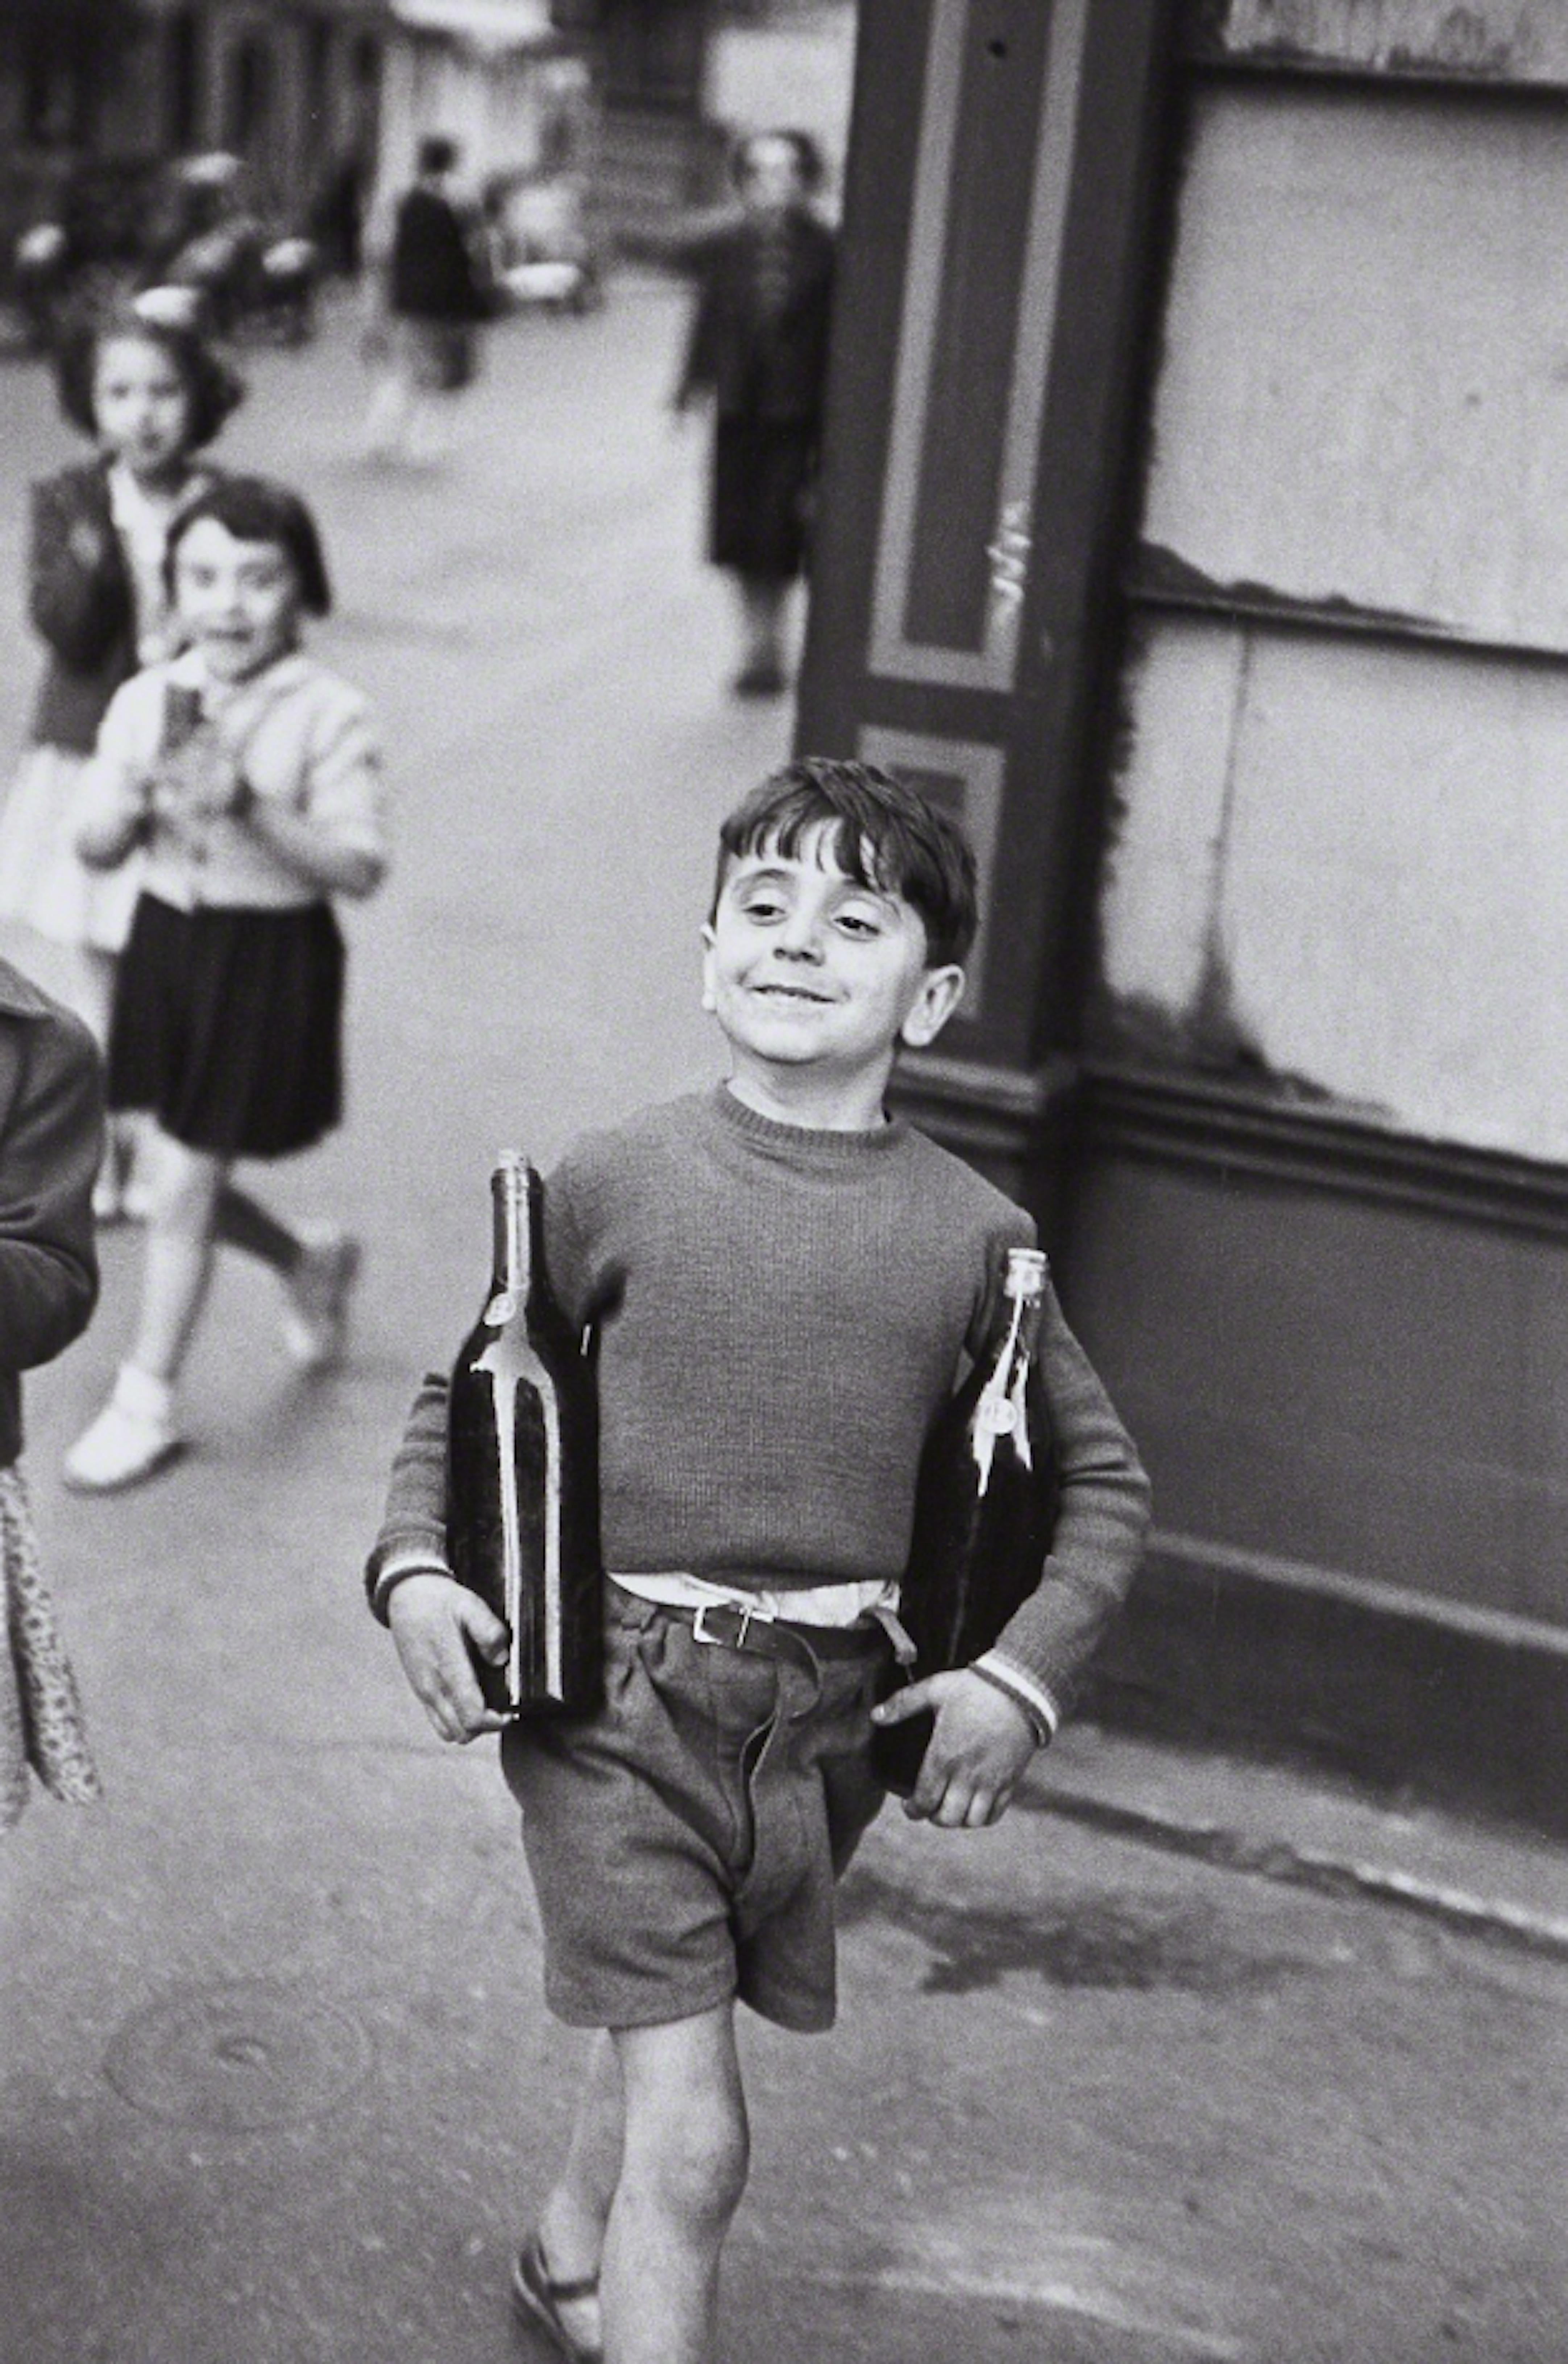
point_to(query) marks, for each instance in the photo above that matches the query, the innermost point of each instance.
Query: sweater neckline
(807, 1143)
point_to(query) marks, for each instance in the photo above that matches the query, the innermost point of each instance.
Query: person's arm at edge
(49, 1161)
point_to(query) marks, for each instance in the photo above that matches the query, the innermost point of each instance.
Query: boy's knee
(693, 2162)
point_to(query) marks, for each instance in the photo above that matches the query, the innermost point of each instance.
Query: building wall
(1319, 1207)
(796, 70)
(179, 85)
(1344, 835)
(1192, 519)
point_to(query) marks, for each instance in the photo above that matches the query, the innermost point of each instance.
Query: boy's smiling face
(816, 978)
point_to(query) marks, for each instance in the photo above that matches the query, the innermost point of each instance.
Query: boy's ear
(934, 1005)
(710, 998)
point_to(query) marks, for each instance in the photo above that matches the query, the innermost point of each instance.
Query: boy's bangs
(851, 847)
(876, 830)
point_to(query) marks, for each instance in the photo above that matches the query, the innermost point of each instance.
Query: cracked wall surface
(1343, 788)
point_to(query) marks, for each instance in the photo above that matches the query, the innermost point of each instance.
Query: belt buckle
(747, 1616)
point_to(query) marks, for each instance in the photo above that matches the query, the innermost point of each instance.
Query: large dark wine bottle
(523, 1470)
(985, 1506)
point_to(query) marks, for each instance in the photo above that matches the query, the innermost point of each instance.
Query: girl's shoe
(316, 1317)
(133, 1437)
(538, 2299)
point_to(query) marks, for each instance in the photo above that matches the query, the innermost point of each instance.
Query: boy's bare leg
(683, 2171)
(572, 2220)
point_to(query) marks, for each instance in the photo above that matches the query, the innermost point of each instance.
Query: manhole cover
(239, 2055)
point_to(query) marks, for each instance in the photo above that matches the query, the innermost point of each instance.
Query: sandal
(538, 2299)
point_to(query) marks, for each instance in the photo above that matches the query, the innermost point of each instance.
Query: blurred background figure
(758, 348)
(434, 295)
(152, 396)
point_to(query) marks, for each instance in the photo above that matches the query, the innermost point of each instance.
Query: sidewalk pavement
(1489, 1878)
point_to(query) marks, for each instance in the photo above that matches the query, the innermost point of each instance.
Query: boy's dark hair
(887, 836)
(212, 388)
(254, 508)
(436, 153)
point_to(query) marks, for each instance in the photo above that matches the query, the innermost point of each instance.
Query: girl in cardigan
(151, 397)
(251, 777)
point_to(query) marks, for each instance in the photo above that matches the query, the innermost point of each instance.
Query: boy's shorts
(685, 1839)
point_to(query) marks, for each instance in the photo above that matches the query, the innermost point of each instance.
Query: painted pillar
(996, 264)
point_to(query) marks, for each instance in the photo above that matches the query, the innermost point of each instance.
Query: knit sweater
(780, 1313)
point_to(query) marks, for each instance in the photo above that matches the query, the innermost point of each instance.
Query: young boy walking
(783, 1284)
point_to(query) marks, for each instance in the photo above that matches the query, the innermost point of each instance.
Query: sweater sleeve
(345, 793)
(79, 603)
(48, 1158)
(110, 804)
(1100, 1530)
(413, 1533)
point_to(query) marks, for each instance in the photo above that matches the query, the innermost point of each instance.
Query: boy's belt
(718, 1624)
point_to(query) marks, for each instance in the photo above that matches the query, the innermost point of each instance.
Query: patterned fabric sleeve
(40, 1711)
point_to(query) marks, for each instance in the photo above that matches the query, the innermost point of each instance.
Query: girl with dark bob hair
(250, 777)
(255, 508)
(152, 397)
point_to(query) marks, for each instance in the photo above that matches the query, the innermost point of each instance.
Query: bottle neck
(1001, 1409)
(511, 1195)
(1015, 1350)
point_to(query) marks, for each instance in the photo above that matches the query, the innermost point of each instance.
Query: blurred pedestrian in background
(253, 775)
(758, 348)
(51, 1136)
(151, 395)
(434, 294)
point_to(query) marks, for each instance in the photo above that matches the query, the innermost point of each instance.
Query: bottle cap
(1027, 1268)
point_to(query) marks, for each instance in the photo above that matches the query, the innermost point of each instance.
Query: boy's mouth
(792, 993)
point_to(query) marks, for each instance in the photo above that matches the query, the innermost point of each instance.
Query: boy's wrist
(384, 1578)
(1033, 1703)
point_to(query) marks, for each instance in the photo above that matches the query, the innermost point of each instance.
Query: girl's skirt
(227, 1026)
(42, 882)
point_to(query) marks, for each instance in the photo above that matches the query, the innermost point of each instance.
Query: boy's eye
(860, 923)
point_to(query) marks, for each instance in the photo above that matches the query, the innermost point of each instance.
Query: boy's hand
(436, 1623)
(980, 1746)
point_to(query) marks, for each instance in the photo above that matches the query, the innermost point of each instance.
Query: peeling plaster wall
(1373, 851)
(1524, 39)
(1365, 389)
(1350, 842)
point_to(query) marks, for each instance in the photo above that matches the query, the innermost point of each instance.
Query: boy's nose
(801, 939)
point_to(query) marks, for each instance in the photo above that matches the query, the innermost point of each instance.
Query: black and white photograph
(784, 1222)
